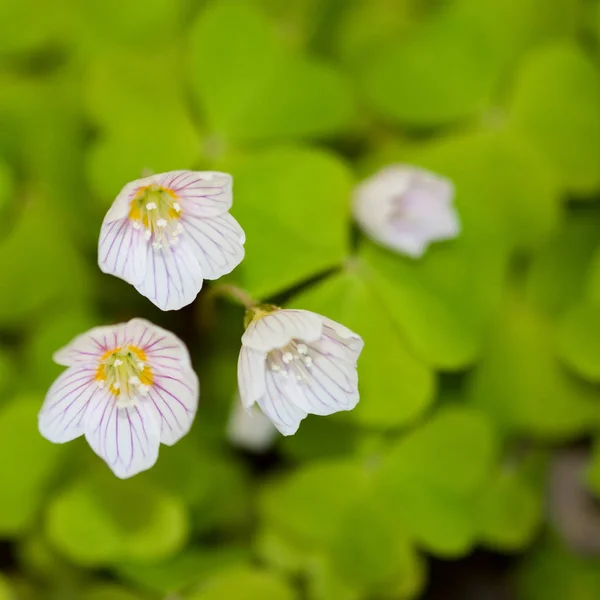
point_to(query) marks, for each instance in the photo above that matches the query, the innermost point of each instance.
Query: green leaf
(251, 87)
(427, 481)
(440, 72)
(441, 302)
(102, 521)
(367, 552)
(25, 481)
(555, 103)
(40, 266)
(7, 187)
(109, 591)
(521, 384)
(579, 340)
(245, 584)
(557, 275)
(5, 590)
(310, 504)
(308, 226)
(508, 511)
(514, 26)
(135, 23)
(554, 573)
(184, 570)
(395, 386)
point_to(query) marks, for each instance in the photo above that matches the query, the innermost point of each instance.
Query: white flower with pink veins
(405, 208)
(296, 362)
(128, 388)
(166, 233)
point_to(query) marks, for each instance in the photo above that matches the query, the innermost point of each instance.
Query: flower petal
(284, 414)
(63, 414)
(200, 193)
(217, 243)
(278, 328)
(127, 438)
(88, 347)
(122, 250)
(163, 349)
(251, 376)
(122, 204)
(173, 277)
(342, 337)
(175, 396)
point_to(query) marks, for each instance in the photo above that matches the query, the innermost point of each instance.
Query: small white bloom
(406, 208)
(250, 429)
(294, 363)
(166, 233)
(128, 388)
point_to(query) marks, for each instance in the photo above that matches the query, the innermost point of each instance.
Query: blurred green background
(471, 467)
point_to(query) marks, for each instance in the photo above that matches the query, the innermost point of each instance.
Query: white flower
(295, 362)
(406, 208)
(166, 233)
(128, 388)
(250, 429)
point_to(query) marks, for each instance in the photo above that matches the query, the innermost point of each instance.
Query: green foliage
(428, 480)
(281, 190)
(555, 102)
(442, 71)
(480, 358)
(554, 573)
(245, 584)
(27, 477)
(254, 88)
(101, 521)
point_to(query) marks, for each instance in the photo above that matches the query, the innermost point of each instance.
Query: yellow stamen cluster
(157, 211)
(125, 373)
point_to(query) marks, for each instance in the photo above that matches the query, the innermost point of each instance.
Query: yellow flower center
(124, 372)
(157, 211)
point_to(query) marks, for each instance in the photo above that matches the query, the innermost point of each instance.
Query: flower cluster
(130, 387)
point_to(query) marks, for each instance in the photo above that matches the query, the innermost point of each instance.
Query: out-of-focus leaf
(557, 275)
(521, 384)
(135, 23)
(39, 265)
(243, 583)
(514, 26)
(395, 386)
(5, 590)
(509, 511)
(322, 438)
(325, 583)
(7, 187)
(553, 573)
(428, 480)
(8, 372)
(579, 340)
(253, 88)
(190, 567)
(555, 103)
(301, 197)
(25, 477)
(309, 506)
(593, 472)
(440, 72)
(109, 591)
(101, 521)
(440, 303)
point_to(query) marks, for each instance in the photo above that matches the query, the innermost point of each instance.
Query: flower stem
(233, 292)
